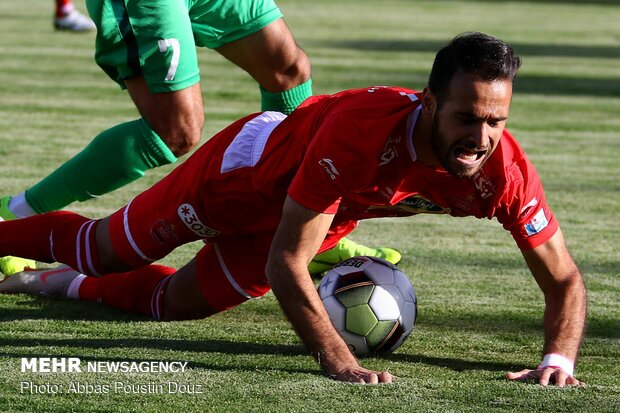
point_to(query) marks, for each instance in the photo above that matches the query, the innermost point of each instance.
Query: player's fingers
(364, 377)
(519, 375)
(385, 377)
(356, 376)
(560, 378)
(574, 382)
(545, 376)
(373, 378)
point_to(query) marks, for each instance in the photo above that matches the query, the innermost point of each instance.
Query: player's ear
(429, 102)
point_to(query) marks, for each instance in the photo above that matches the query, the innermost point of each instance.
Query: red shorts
(232, 271)
(175, 210)
(184, 207)
(215, 195)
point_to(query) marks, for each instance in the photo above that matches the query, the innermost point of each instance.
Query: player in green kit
(149, 49)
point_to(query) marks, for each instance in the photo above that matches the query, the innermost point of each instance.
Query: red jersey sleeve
(524, 211)
(331, 166)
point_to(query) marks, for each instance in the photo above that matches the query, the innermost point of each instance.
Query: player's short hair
(485, 57)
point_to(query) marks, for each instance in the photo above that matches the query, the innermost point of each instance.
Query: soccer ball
(371, 303)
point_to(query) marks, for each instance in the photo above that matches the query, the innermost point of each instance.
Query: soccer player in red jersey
(269, 192)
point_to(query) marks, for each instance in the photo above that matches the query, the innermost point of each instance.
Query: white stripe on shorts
(227, 273)
(89, 256)
(132, 242)
(78, 248)
(155, 310)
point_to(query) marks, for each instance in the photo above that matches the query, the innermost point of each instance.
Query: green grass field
(480, 311)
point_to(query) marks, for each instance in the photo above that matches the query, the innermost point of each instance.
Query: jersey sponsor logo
(528, 207)
(421, 205)
(415, 204)
(484, 185)
(389, 150)
(190, 219)
(537, 224)
(328, 166)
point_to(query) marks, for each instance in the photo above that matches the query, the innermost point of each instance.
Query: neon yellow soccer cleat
(10, 265)
(347, 249)
(5, 213)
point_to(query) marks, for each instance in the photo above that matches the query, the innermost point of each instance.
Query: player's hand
(363, 376)
(544, 376)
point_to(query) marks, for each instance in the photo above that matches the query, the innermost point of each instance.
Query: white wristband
(558, 361)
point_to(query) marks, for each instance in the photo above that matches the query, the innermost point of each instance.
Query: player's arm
(565, 311)
(297, 239)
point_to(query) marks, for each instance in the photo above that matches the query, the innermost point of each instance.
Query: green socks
(286, 101)
(113, 159)
(123, 154)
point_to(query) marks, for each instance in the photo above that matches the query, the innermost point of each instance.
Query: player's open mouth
(469, 156)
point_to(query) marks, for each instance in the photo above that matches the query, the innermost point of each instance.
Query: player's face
(468, 126)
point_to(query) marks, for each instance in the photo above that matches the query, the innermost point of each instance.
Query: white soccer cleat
(75, 22)
(50, 282)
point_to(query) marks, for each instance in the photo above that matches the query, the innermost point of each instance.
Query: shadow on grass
(192, 346)
(202, 346)
(451, 363)
(524, 83)
(38, 308)
(222, 347)
(502, 323)
(581, 2)
(433, 46)
(511, 323)
(569, 86)
(485, 320)
(230, 348)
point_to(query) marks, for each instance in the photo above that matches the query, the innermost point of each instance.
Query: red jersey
(353, 154)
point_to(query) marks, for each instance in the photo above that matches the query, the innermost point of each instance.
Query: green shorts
(157, 39)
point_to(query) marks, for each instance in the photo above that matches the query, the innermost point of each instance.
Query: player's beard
(446, 153)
